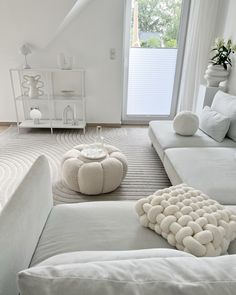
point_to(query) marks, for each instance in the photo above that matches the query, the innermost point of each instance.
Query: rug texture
(18, 151)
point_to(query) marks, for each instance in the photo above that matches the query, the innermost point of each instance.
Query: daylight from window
(152, 57)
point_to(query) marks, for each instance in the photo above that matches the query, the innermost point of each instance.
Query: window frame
(143, 119)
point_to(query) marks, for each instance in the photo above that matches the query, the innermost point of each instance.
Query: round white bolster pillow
(186, 123)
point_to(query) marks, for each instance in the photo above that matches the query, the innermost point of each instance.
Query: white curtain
(202, 30)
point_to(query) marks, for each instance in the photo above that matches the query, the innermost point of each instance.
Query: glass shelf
(48, 124)
(61, 98)
(58, 91)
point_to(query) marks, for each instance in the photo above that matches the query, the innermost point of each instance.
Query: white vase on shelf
(65, 62)
(35, 115)
(68, 115)
(215, 74)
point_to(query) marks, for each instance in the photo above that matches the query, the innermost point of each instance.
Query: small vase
(35, 115)
(68, 115)
(215, 74)
(64, 62)
(99, 139)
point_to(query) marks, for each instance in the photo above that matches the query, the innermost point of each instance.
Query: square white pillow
(214, 124)
(225, 104)
(189, 220)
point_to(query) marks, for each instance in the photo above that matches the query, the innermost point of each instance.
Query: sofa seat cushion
(174, 275)
(92, 256)
(211, 170)
(94, 226)
(163, 137)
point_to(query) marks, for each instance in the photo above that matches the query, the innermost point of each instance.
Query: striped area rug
(18, 151)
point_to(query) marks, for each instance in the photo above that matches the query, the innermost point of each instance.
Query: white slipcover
(94, 226)
(169, 276)
(163, 137)
(211, 170)
(21, 223)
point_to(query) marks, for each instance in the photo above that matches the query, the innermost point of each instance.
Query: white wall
(230, 32)
(88, 38)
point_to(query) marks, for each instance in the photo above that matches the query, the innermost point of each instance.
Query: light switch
(112, 53)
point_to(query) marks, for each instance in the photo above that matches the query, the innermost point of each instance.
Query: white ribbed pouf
(93, 177)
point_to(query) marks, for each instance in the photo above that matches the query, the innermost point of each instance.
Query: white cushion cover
(94, 226)
(93, 177)
(186, 123)
(163, 137)
(189, 220)
(225, 104)
(92, 256)
(21, 223)
(169, 276)
(211, 170)
(214, 124)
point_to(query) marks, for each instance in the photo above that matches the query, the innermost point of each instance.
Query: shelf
(61, 98)
(55, 124)
(47, 70)
(56, 95)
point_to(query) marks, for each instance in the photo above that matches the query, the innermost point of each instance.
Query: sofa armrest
(21, 223)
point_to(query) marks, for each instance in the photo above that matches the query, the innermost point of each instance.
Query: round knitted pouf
(186, 123)
(93, 177)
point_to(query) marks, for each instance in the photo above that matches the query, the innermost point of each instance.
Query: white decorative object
(225, 104)
(64, 61)
(93, 153)
(93, 176)
(32, 85)
(25, 50)
(99, 139)
(96, 150)
(186, 123)
(68, 115)
(188, 220)
(35, 115)
(68, 92)
(215, 74)
(214, 124)
(205, 97)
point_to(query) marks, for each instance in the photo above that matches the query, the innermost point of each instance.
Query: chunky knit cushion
(188, 220)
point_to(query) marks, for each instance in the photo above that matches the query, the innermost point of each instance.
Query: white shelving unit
(53, 101)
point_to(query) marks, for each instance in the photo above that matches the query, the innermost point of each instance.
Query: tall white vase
(215, 74)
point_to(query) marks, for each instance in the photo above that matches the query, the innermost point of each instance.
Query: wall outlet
(112, 53)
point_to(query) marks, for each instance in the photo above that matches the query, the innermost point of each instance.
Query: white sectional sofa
(197, 160)
(32, 230)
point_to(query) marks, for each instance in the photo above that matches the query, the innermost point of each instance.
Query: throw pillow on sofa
(225, 104)
(214, 124)
(186, 123)
(188, 220)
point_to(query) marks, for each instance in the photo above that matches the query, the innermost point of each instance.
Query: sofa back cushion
(214, 124)
(225, 104)
(21, 223)
(133, 276)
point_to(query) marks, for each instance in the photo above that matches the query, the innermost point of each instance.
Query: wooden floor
(2, 128)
